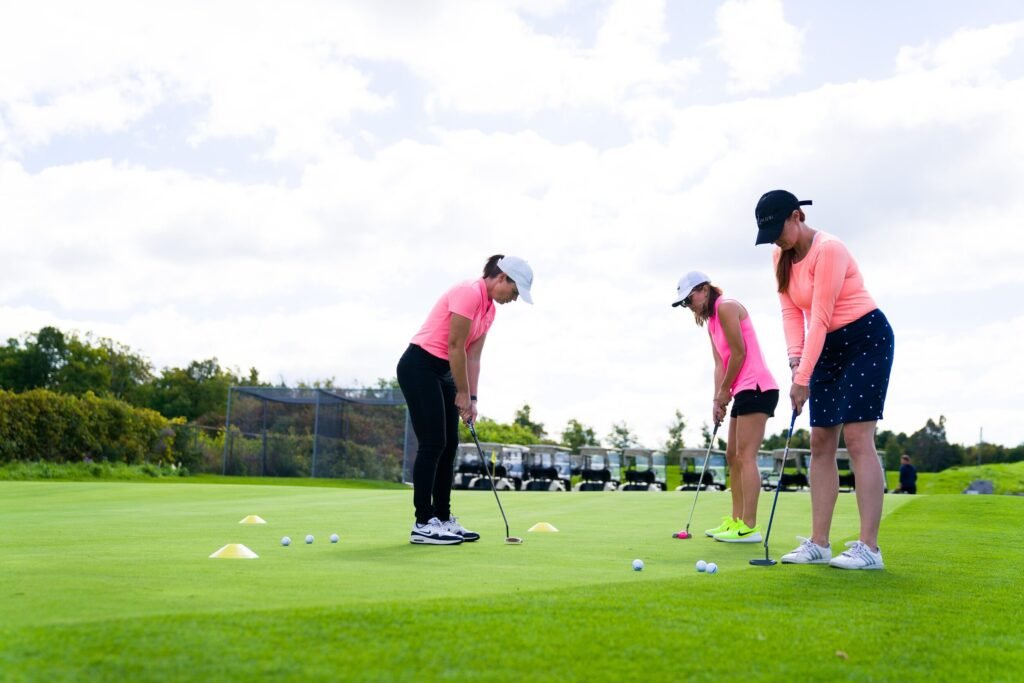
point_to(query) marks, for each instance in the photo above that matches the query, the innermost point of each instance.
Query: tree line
(75, 365)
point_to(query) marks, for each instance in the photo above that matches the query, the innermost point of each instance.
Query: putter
(767, 561)
(509, 540)
(686, 532)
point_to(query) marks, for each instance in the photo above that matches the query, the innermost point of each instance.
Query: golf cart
(791, 480)
(645, 470)
(765, 465)
(506, 461)
(600, 471)
(547, 468)
(847, 481)
(691, 460)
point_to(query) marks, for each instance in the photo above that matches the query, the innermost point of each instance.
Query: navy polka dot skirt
(852, 375)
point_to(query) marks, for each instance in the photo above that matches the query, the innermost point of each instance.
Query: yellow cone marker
(543, 526)
(253, 519)
(234, 551)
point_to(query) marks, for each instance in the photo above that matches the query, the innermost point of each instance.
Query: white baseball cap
(520, 272)
(687, 283)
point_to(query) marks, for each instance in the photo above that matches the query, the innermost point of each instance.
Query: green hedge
(41, 425)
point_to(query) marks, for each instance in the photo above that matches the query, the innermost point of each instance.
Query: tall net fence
(340, 433)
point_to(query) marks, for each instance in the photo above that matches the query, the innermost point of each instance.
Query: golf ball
(712, 568)
(334, 538)
(309, 538)
(285, 540)
(702, 565)
(638, 565)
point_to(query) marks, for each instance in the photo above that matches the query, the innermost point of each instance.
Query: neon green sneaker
(727, 523)
(740, 533)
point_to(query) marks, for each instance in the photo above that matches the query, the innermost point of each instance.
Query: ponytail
(491, 268)
(783, 268)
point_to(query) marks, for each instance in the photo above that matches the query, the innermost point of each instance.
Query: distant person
(438, 374)
(741, 378)
(841, 364)
(908, 476)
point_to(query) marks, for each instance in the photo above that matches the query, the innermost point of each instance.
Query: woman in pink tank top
(741, 378)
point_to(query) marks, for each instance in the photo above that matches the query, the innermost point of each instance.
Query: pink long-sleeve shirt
(826, 292)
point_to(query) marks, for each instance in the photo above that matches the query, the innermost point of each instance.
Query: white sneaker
(452, 526)
(433, 533)
(808, 552)
(858, 556)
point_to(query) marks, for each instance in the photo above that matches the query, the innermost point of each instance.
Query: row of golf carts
(553, 468)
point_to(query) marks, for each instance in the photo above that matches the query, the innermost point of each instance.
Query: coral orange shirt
(468, 299)
(826, 292)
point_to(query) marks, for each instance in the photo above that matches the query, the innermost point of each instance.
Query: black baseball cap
(773, 208)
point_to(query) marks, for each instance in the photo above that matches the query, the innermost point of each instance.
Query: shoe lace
(857, 549)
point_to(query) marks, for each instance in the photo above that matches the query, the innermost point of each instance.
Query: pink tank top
(754, 373)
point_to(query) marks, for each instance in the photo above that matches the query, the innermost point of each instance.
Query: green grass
(105, 471)
(111, 582)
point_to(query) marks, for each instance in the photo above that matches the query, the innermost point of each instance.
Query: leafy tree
(801, 439)
(705, 433)
(576, 435)
(70, 364)
(674, 445)
(522, 419)
(621, 436)
(930, 449)
(496, 432)
(198, 393)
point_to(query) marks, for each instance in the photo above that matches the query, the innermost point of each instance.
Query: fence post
(316, 432)
(227, 431)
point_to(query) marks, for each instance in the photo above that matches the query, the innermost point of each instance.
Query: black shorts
(755, 401)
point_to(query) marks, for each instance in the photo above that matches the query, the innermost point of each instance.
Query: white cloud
(757, 44)
(921, 173)
(968, 55)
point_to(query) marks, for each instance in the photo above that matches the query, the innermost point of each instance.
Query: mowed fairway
(112, 581)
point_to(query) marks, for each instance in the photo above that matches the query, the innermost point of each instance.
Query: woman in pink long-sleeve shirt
(840, 351)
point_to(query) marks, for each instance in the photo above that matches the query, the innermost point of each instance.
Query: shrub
(41, 425)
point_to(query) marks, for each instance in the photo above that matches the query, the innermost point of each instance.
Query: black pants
(429, 389)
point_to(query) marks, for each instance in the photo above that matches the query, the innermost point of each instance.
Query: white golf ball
(712, 568)
(702, 565)
(309, 538)
(638, 565)
(334, 538)
(285, 540)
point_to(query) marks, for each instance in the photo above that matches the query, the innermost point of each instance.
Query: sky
(291, 185)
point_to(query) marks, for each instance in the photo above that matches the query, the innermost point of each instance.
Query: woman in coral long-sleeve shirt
(840, 350)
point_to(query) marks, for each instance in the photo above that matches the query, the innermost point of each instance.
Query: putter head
(513, 540)
(682, 535)
(766, 562)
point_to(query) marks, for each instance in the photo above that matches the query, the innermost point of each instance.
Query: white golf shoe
(858, 556)
(452, 526)
(808, 552)
(433, 533)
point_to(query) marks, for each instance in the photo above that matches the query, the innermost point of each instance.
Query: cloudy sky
(289, 186)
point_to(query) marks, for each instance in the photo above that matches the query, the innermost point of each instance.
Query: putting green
(117, 579)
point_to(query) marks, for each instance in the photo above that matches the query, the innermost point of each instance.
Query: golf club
(767, 561)
(509, 540)
(686, 532)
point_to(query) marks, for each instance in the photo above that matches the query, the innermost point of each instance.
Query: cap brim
(524, 294)
(769, 233)
(677, 303)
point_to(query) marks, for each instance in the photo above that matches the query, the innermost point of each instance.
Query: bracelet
(472, 397)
